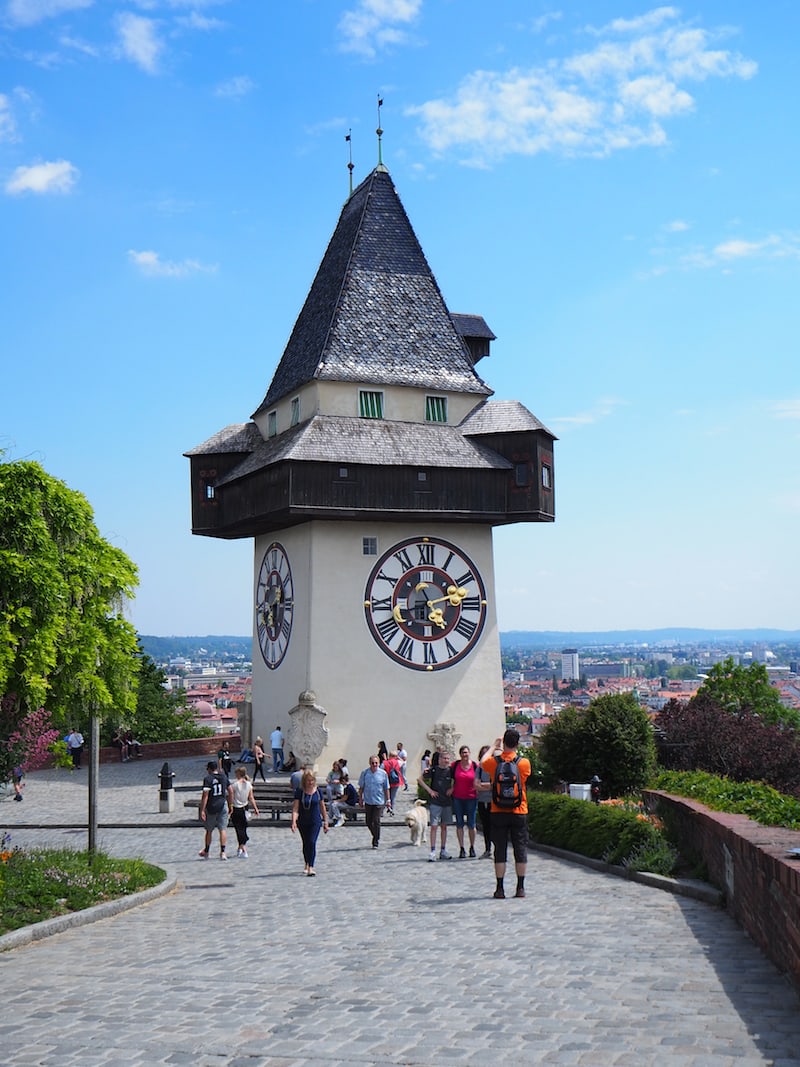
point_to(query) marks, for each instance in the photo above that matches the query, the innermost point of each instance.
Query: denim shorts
(465, 810)
(217, 820)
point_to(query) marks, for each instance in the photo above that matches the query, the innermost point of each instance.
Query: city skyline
(613, 192)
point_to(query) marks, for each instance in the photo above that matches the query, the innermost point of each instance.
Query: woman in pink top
(465, 799)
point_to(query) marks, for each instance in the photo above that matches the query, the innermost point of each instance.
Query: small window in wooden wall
(547, 477)
(436, 409)
(370, 404)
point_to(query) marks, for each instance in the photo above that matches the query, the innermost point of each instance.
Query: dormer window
(295, 416)
(272, 424)
(547, 477)
(370, 404)
(436, 409)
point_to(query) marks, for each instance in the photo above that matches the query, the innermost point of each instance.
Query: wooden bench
(274, 797)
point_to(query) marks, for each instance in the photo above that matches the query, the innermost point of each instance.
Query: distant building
(570, 665)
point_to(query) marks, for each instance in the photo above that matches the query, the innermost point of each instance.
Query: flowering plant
(5, 852)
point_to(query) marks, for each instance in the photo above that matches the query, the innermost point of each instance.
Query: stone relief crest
(444, 737)
(307, 734)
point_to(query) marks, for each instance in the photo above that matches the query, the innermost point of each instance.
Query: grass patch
(39, 884)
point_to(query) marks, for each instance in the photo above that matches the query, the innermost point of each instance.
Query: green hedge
(604, 833)
(755, 799)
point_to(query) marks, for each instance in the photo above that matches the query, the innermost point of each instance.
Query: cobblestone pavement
(383, 959)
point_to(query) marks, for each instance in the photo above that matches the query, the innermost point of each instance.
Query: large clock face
(274, 605)
(425, 603)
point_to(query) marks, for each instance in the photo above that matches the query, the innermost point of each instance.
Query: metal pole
(94, 774)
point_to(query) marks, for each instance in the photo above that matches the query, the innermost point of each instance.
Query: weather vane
(379, 131)
(349, 139)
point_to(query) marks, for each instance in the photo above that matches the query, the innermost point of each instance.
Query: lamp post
(94, 774)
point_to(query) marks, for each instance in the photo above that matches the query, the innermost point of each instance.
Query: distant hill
(221, 647)
(676, 635)
(210, 647)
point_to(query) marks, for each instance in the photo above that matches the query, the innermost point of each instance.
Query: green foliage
(160, 714)
(64, 641)
(611, 834)
(43, 883)
(542, 774)
(737, 689)
(612, 738)
(758, 801)
(656, 857)
(61, 756)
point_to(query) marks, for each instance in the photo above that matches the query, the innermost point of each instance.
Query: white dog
(417, 821)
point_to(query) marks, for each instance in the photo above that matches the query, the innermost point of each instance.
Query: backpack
(507, 784)
(394, 777)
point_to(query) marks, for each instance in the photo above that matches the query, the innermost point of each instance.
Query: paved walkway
(383, 959)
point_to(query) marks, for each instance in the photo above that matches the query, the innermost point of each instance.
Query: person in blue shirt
(373, 793)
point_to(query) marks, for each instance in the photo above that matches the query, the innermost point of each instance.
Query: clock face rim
(440, 636)
(275, 638)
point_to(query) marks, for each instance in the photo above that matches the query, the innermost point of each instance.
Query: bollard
(166, 796)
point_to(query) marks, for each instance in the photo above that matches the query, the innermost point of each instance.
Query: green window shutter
(436, 409)
(370, 404)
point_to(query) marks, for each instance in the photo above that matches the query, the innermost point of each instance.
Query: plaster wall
(368, 696)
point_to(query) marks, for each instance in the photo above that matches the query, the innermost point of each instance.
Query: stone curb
(36, 931)
(683, 887)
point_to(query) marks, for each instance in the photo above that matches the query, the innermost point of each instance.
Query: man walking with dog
(508, 773)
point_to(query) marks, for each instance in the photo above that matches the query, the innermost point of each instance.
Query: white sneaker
(223, 856)
(339, 822)
(432, 857)
(243, 853)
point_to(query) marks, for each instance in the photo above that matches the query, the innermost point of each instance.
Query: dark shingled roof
(472, 326)
(376, 442)
(501, 416)
(374, 313)
(239, 437)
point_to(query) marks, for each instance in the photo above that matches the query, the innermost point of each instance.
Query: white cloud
(151, 264)
(373, 25)
(57, 177)
(787, 409)
(543, 21)
(29, 12)
(195, 21)
(139, 41)
(676, 226)
(8, 125)
(602, 409)
(233, 87)
(617, 95)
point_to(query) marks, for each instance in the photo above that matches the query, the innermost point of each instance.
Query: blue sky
(612, 186)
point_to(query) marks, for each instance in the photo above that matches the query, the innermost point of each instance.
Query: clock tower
(370, 477)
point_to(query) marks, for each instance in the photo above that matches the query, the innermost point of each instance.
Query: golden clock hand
(397, 613)
(435, 616)
(453, 595)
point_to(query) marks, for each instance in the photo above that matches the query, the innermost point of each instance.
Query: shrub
(757, 800)
(611, 738)
(741, 745)
(613, 834)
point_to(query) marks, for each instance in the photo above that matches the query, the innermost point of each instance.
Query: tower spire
(379, 132)
(349, 139)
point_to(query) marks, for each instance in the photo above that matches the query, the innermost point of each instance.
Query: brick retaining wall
(748, 862)
(167, 750)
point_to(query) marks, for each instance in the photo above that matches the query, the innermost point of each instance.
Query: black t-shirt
(217, 786)
(440, 781)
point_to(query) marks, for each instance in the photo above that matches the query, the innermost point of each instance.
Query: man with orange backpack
(508, 773)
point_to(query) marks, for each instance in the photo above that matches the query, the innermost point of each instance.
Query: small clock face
(425, 604)
(274, 605)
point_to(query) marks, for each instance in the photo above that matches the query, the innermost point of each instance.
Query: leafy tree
(737, 689)
(680, 671)
(64, 642)
(612, 738)
(703, 736)
(160, 714)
